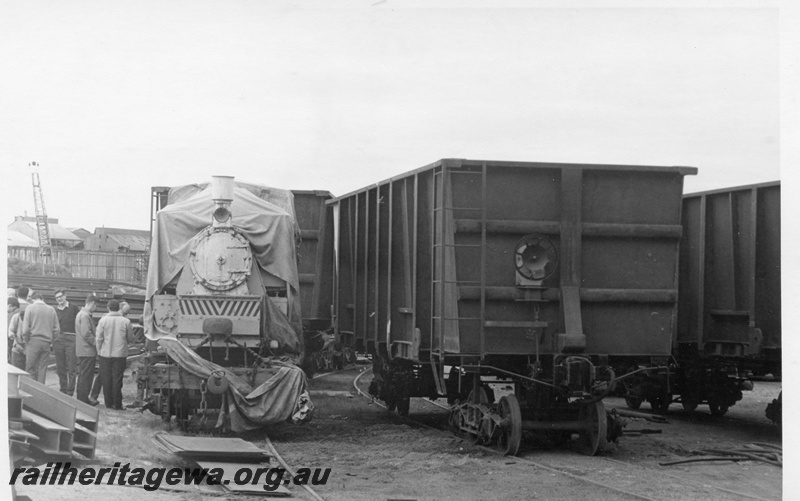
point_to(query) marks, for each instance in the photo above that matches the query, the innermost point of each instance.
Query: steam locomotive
(223, 310)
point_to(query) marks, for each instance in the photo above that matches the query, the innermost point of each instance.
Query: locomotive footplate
(172, 376)
(174, 391)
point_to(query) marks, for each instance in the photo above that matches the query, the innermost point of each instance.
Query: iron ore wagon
(729, 317)
(513, 289)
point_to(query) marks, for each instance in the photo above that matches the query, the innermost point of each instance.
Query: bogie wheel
(593, 437)
(511, 426)
(717, 409)
(475, 415)
(633, 402)
(480, 398)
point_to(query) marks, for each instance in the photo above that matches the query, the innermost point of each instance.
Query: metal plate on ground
(212, 448)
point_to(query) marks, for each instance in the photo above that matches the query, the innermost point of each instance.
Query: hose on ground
(765, 453)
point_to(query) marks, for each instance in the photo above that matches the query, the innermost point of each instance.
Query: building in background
(17, 239)
(60, 237)
(114, 254)
(80, 232)
(117, 240)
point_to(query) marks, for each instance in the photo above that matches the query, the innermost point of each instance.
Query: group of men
(35, 329)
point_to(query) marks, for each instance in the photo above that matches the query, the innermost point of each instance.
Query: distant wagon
(729, 321)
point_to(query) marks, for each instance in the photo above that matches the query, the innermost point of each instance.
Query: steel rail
(496, 452)
(743, 495)
(317, 376)
(289, 469)
(685, 480)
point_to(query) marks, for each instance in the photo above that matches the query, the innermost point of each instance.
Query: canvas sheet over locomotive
(222, 300)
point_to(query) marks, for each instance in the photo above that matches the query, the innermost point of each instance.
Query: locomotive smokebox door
(220, 260)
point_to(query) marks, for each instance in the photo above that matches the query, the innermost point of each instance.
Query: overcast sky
(111, 98)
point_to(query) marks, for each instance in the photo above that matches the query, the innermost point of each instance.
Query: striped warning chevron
(227, 307)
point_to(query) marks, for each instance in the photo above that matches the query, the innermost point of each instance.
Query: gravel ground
(374, 454)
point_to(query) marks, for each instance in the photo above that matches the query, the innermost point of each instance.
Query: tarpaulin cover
(282, 198)
(269, 229)
(282, 397)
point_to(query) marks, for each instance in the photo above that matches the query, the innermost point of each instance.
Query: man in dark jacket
(64, 346)
(85, 350)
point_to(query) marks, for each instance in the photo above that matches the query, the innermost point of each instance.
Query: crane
(42, 228)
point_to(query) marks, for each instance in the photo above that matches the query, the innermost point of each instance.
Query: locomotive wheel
(511, 425)
(633, 402)
(593, 437)
(717, 409)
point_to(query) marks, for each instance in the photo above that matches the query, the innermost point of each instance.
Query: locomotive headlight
(222, 214)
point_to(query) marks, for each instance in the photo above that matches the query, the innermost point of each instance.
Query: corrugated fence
(116, 266)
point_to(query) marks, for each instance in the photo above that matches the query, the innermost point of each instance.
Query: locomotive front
(221, 307)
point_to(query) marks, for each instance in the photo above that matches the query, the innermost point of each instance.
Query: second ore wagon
(512, 289)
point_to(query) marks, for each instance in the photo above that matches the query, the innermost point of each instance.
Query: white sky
(111, 98)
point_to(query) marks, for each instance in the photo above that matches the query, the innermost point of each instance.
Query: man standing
(113, 333)
(85, 350)
(23, 293)
(39, 329)
(12, 295)
(64, 346)
(15, 357)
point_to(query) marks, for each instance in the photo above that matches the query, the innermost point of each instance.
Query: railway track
(597, 472)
